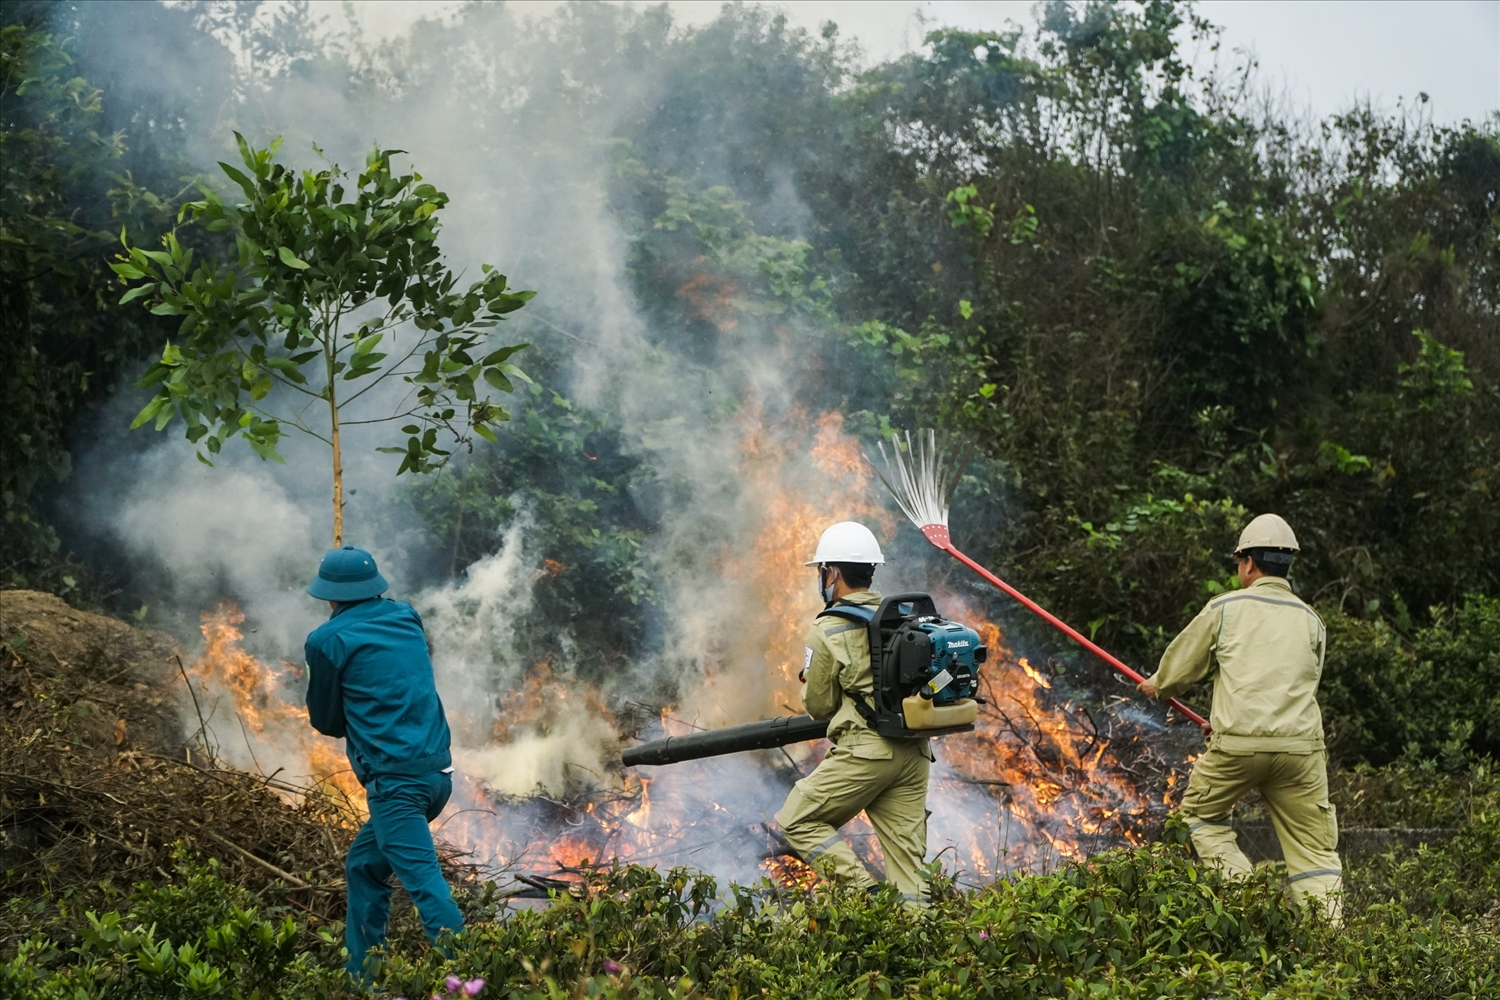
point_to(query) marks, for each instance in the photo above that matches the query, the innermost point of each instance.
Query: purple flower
(453, 983)
(472, 987)
(611, 967)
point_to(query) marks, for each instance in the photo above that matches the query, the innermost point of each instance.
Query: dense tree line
(1156, 303)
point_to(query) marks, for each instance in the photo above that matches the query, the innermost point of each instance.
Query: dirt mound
(98, 781)
(126, 678)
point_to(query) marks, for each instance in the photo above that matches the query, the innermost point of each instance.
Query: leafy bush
(1385, 694)
(62, 200)
(1158, 559)
(200, 936)
(1150, 922)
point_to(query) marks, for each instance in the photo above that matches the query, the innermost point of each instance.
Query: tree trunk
(338, 455)
(338, 475)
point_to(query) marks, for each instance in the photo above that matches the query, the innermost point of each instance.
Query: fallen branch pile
(100, 786)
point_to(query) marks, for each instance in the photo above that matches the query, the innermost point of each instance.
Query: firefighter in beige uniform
(885, 778)
(1267, 728)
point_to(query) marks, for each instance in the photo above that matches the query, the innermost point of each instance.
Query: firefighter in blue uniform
(370, 682)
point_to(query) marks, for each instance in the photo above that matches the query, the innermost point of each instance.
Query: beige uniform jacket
(1269, 648)
(838, 660)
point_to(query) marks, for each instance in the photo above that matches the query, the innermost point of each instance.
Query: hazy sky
(1322, 55)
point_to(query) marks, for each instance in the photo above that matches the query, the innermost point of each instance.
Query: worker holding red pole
(1267, 728)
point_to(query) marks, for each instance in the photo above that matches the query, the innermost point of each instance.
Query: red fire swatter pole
(938, 535)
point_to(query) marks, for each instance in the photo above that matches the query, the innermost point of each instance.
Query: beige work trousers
(888, 782)
(1295, 787)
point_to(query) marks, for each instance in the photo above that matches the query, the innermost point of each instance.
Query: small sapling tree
(328, 299)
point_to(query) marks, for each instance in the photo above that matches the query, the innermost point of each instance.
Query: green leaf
(497, 379)
(239, 178)
(290, 259)
(140, 291)
(495, 357)
(515, 372)
(148, 411)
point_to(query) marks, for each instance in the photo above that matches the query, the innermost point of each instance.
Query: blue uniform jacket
(370, 682)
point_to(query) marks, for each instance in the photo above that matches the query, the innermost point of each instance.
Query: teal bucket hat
(348, 574)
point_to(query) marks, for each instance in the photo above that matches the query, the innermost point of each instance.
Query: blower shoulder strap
(860, 616)
(865, 709)
(847, 609)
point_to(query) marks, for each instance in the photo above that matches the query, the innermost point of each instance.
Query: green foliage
(563, 471)
(701, 259)
(1449, 791)
(1436, 691)
(633, 918)
(197, 937)
(1241, 296)
(61, 339)
(1144, 923)
(968, 212)
(1135, 923)
(1160, 559)
(309, 262)
(1435, 375)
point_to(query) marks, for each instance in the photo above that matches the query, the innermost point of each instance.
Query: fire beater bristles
(923, 484)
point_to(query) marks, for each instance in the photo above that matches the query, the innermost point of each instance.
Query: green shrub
(200, 936)
(1384, 693)
(1155, 559)
(1143, 923)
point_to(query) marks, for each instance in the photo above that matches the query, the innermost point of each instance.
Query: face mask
(826, 576)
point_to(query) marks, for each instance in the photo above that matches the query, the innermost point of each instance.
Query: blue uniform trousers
(396, 839)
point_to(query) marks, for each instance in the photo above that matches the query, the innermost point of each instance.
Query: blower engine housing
(926, 668)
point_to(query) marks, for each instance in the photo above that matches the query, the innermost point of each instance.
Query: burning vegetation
(1042, 779)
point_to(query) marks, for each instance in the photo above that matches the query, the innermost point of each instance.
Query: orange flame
(272, 723)
(712, 298)
(1050, 783)
(1034, 673)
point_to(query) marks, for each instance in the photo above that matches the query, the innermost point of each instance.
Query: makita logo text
(959, 643)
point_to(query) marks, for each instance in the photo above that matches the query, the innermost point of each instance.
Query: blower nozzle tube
(761, 735)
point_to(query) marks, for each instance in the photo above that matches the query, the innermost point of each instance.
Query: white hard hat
(847, 542)
(1268, 531)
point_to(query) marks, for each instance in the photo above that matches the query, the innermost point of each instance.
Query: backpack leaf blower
(926, 682)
